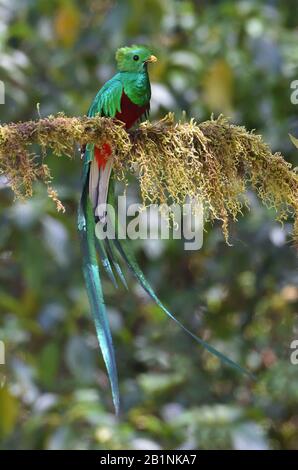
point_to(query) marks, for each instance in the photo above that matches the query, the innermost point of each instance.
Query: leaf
(67, 24)
(294, 140)
(48, 364)
(218, 87)
(8, 412)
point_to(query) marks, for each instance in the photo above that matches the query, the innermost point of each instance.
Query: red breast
(130, 114)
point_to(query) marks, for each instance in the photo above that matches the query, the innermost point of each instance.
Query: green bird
(126, 97)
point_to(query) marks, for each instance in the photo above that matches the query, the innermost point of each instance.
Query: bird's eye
(135, 57)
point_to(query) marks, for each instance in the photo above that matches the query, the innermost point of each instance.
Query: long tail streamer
(108, 250)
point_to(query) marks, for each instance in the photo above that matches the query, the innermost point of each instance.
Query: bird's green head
(134, 58)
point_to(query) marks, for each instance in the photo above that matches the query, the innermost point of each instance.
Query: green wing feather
(108, 100)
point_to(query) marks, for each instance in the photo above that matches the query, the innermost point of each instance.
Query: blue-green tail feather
(104, 257)
(86, 225)
(129, 258)
(137, 272)
(113, 258)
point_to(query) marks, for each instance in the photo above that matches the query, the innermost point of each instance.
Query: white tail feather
(93, 183)
(102, 191)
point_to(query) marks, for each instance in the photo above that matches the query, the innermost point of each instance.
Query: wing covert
(108, 100)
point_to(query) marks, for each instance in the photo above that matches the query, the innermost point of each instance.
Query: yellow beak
(152, 59)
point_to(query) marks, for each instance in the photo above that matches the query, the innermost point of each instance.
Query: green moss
(213, 161)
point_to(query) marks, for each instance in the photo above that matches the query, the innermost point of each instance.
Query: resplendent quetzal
(125, 97)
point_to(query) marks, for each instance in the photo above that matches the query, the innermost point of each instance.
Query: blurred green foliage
(238, 58)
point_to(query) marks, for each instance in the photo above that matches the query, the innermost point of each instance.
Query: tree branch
(213, 161)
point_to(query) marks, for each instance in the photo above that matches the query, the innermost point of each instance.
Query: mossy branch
(213, 161)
